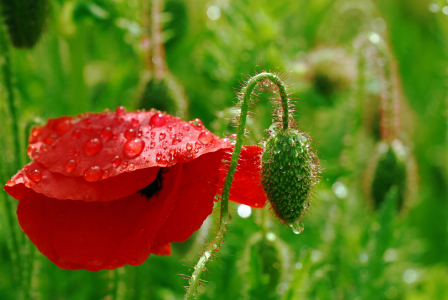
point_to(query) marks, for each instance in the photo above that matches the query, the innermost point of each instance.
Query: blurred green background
(370, 82)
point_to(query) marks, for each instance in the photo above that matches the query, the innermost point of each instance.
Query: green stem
(225, 219)
(6, 71)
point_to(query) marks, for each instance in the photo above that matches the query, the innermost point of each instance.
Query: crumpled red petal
(246, 186)
(118, 142)
(58, 186)
(98, 235)
(194, 201)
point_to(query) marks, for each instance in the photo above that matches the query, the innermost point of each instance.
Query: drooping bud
(390, 169)
(290, 169)
(26, 20)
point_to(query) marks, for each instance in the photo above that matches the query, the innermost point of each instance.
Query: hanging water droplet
(306, 205)
(62, 125)
(133, 148)
(35, 175)
(297, 227)
(120, 110)
(157, 120)
(70, 165)
(106, 133)
(116, 161)
(93, 174)
(36, 131)
(130, 134)
(93, 146)
(206, 137)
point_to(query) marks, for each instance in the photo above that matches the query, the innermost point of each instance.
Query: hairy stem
(225, 219)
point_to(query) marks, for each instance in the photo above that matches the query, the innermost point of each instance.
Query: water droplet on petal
(76, 134)
(10, 182)
(36, 131)
(189, 146)
(157, 120)
(297, 227)
(158, 156)
(62, 125)
(35, 175)
(134, 122)
(177, 140)
(130, 134)
(116, 161)
(133, 148)
(105, 175)
(93, 174)
(162, 136)
(70, 165)
(152, 144)
(49, 140)
(93, 146)
(120, 110)
(197, 124)
(106, 133)
(206, 137)
(131, 167)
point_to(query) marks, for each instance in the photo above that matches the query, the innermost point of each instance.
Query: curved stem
(225, 219)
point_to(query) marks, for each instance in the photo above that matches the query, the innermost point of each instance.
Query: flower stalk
(225, 217)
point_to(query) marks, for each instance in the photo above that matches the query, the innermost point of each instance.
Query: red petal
(164, 250)
(194, 201)
(73, 146)
(246, 186)
(97, 235)
(58, 186)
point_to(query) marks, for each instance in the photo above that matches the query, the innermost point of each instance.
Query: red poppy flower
(105, 190)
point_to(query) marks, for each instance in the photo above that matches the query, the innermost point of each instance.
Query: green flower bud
(289, 172)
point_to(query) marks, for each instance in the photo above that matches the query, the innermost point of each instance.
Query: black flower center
(154, 187)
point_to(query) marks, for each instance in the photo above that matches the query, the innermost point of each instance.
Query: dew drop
(10, 182)
(207, 254)
(105, 175)
(131, 167)
(152, 144)
(297, 227)
(76, 134)
(130, 134)
(93, 146)
(35, 175)
(70, 165)
(106, 133)
(133, 148)
(120, 110)
(116, 161)
(49, 140)
(62, 125)
(36, 131)
(206, 137)
(157, 120)
(93, 174)
(162, 136)
(30, 149)
(197, 124)
(165, 145)
(177, 140)
(306, 205)
(134, 122)
(158, 156)
(189, 146)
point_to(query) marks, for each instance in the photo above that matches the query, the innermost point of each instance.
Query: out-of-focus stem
(157, 43)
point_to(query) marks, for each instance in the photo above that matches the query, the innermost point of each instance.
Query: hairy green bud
(289, 172)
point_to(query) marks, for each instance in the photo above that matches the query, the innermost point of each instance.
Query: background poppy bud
(390, 170)
(26, 20)
(289, 170)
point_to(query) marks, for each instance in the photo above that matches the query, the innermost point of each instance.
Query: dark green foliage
(165, 95)
(390, 171)
(177, 26)
(289, 168)
(26, 20)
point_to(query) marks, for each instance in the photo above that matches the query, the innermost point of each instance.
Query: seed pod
(264, 266)
(165, 95)
(390, 170)
(289, 172)
(25, 19)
